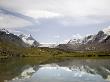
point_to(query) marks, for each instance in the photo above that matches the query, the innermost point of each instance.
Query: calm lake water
(75, 70)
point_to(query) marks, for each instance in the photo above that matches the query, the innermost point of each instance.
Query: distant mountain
(7, 37)
(21, 40)
(99, 41)
(49, 45)
(77, 39)
(29, 40)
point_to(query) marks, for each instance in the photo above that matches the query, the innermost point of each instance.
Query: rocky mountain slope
(6, 37)
(29, 40)
(20, 41)
(98, 42)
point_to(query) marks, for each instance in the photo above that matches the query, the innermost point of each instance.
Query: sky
(54, 21)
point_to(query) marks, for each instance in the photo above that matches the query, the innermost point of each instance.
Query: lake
(74, 70)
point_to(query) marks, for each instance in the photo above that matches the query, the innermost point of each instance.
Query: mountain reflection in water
(77, 70)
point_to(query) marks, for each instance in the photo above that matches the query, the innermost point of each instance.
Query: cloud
(41, 14)
(8, 21)
(77, 11)
(57, 17)
(73, 8)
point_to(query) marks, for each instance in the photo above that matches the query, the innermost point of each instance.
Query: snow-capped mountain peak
(88, 38)
(28, 39)
(107, 30)
(73, 41)
(21, 40)
(76, 39)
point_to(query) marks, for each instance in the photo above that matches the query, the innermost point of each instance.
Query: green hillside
(9, 50)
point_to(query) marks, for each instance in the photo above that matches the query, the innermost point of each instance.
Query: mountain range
(99, 41)
(18, 40)
(96, 42)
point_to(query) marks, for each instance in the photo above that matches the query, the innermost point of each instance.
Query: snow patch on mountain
(103, 38)
(5, 30)
(49, 45)
(107, 30)
(76, 39)
(88, 38)
(28, 39)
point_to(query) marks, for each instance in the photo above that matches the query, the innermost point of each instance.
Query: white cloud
(81, 11)
(41, 14)
(64, 17)
(8, 21)
(67, 7)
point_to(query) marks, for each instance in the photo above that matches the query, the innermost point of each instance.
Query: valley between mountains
(92, 46)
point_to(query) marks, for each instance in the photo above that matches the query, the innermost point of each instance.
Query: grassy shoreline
(51, 53)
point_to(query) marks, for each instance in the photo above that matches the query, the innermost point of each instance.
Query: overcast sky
(55, 20)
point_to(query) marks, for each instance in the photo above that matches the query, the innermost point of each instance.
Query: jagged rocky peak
(7, 37)
(29, 40)
(22, 39)
(30, 37)
(73, 41)
(26, 36)
(5, 30)
(87, 39)
(101, 38)
(98, 41)
(102, 35)
(76, 39)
